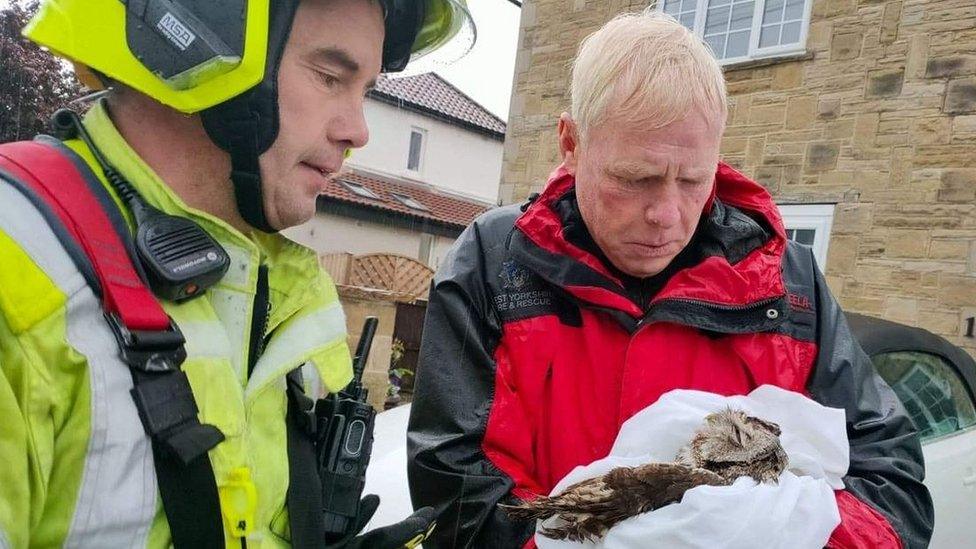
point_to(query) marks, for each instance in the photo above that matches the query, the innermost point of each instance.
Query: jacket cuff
(861, 527)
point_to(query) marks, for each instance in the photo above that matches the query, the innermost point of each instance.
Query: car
(934, 379)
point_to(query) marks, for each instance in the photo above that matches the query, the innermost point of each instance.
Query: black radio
(345, 442)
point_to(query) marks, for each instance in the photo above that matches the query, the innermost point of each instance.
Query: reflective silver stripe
(294, 340)
(238, 275)
(205, 339)
(117, 498)
(232, 299)
(233, 308)
(4, 542)
(24, 224)
(314, 386)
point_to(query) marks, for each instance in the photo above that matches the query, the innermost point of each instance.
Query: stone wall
(550, 33)
(879, 117)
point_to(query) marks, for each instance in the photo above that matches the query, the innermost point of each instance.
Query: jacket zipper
(259, 325)
(259, 320)
(754, 306)
(719, 306)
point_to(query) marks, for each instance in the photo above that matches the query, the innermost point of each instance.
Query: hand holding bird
(731, 444)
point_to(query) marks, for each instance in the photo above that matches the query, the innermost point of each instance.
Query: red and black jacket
(535, 352)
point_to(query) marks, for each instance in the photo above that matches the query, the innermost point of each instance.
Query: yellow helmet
(219, 58)
(192, 55)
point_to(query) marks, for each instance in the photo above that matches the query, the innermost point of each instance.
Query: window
(359, 190)
(740, 30)
(931, 391)
(426, 245)
(409, 202)
(416, 153)
(803, 236)
(809, 224)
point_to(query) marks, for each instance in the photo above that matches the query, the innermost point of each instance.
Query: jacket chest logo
(513, 275)
(800, 302)
(522, 294)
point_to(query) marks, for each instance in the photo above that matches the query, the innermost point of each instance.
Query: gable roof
(431, 95)
(391, 196)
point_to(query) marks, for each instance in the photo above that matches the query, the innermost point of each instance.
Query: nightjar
(729, 445)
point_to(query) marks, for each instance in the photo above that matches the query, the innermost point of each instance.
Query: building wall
(328, 233)
(454, 158)
(879, 118)
(376, 375)
(549, 35)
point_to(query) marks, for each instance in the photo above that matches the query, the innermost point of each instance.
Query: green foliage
(33, 83)
(397, 374)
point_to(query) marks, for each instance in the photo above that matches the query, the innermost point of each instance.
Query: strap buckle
(149, 351)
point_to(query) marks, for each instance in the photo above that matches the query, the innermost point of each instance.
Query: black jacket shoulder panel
(453, 392)
(731, 233)
(886, 466)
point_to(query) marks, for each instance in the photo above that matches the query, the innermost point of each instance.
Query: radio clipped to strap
(78, 208)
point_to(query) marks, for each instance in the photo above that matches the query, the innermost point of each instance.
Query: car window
(931, 391)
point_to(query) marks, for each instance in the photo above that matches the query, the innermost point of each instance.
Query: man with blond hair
(645, 265)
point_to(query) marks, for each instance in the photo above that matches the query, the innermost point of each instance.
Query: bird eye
(738, 435)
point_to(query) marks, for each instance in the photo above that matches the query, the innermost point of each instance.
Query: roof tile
(431, 92)
(440, 207)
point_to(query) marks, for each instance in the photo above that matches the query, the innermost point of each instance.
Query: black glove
(407, 533)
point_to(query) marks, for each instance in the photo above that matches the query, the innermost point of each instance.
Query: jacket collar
(740, 244)
(293, 270)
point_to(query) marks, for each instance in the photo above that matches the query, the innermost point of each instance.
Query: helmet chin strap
(250, 199)
(239, 136)
(247, 125)
(245, 174)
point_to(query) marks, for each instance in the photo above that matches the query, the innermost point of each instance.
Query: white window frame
(426, 248)
(755, 52)
(359, 190)
(410, 202)
(423, 149)
(819, 217)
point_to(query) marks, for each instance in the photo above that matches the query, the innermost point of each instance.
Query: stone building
(860, 115)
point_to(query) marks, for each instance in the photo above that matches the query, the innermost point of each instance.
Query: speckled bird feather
(729, 445)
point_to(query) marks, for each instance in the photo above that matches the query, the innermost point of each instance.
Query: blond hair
(648, 69)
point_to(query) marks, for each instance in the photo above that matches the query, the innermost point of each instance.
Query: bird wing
(583, 496)
(659, 484)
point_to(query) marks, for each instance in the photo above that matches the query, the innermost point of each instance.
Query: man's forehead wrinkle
(655, 169)
(631, 168)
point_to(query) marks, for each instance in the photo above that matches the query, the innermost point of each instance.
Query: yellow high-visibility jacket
(76, 466)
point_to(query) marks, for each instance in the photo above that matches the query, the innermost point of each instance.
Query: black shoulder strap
(304, 484)
(161, 391)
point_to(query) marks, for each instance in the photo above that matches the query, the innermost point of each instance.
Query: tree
(33, 83)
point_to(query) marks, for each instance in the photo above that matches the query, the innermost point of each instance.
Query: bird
(730, 444)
